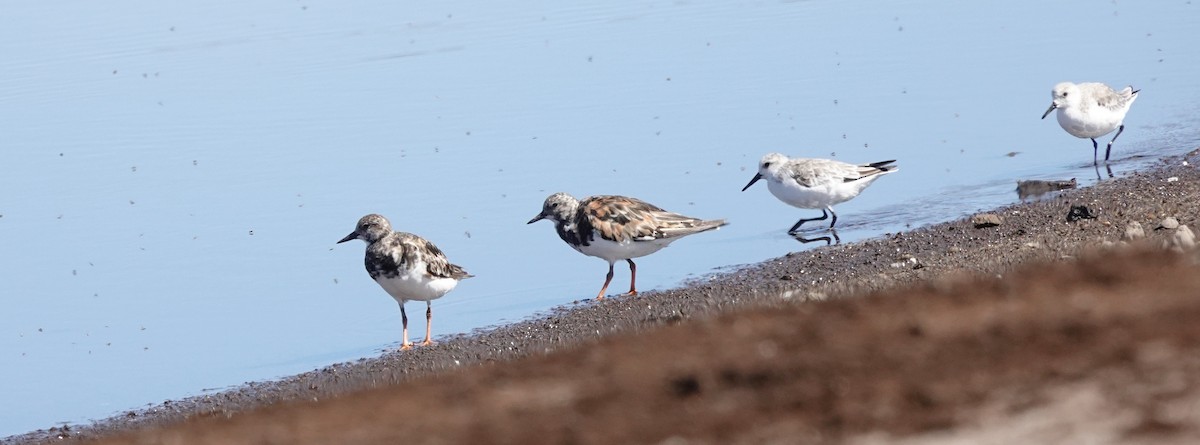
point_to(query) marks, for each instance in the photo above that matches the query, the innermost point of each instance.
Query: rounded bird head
(1064, 95)
(559, 207)
(370, 228)
(767, 167)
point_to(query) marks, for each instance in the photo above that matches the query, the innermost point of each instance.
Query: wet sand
(1039, 326)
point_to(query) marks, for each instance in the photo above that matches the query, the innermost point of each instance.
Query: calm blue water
(175, 176)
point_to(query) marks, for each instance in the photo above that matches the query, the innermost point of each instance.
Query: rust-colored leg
(404, 345)
(607, 280)
(428, 323)
(632, 279)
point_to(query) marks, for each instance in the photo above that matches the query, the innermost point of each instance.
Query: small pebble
(1169, 223)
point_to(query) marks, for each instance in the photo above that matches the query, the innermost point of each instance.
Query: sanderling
(1090, 110)
(617, 228)
(816, 183)
(407, 266)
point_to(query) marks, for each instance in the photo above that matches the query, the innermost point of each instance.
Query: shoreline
(1027, 232)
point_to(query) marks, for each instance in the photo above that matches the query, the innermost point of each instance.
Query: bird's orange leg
(607, 280)
(428, 323)
(632, 279)
(404, 345)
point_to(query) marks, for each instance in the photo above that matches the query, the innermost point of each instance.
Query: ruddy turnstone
(617, 228)
(1090, 110)
(816, 183)
(407, 266)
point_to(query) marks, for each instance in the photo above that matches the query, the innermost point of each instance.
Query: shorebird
(617, 228)
(816, 183)
(1090, 110)
(407, 267)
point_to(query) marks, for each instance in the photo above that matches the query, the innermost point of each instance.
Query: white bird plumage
(817, 183)
(1090, 110)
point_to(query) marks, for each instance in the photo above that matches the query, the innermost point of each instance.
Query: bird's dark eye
(1065, 94)
(766, 165)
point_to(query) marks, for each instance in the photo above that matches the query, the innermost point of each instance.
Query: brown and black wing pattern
(620, 218)
(402, 251)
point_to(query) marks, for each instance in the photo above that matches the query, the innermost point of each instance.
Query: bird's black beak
(352, 235)
(757, 176)
(537, 218)
(1048, 110)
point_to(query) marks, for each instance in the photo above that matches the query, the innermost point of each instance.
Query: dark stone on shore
(984, 220)
(1077, 213)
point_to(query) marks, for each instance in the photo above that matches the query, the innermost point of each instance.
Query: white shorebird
(407, 266)
(1090, 110)
(817, 183)
(617, 228)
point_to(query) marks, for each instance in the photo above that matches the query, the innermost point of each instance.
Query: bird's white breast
(823, 194)
(415, 284)
(1088, 125)
(613, 251)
